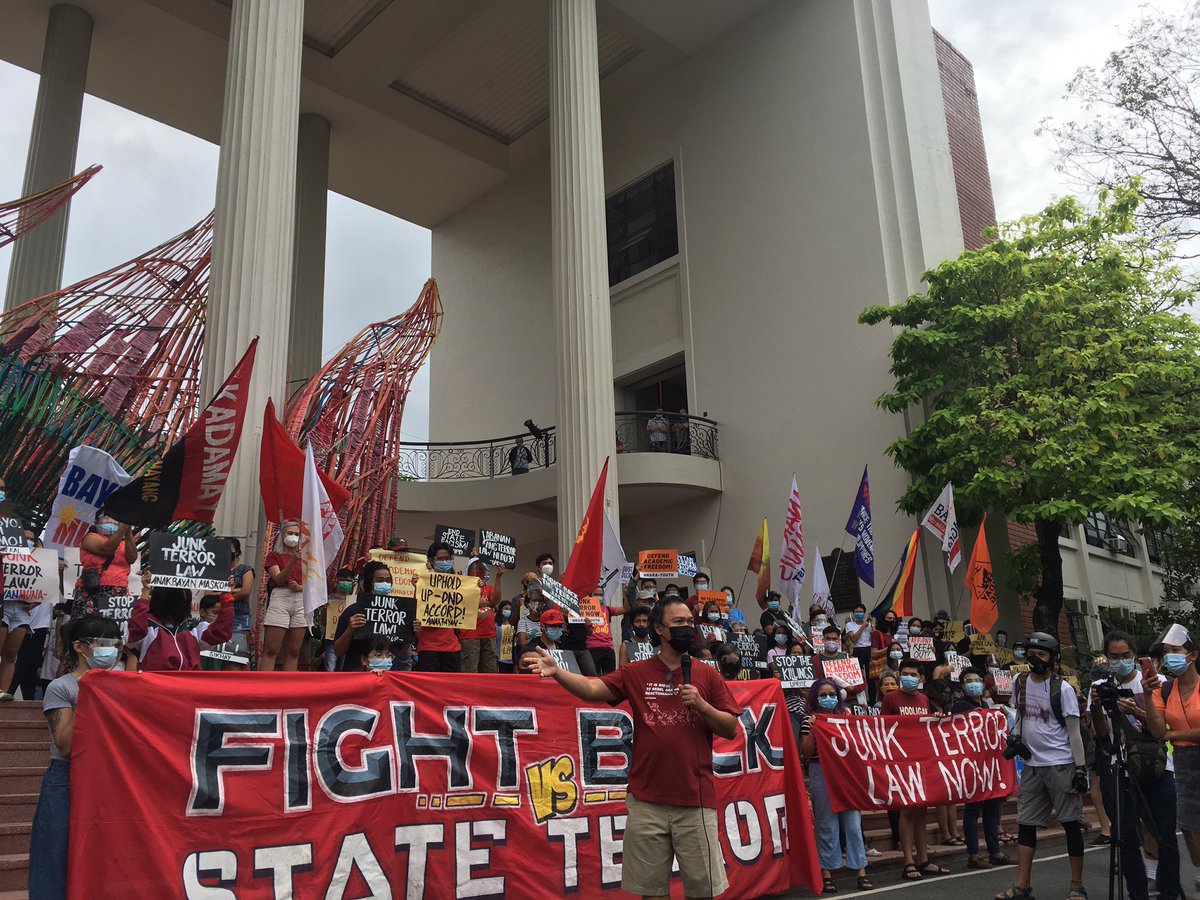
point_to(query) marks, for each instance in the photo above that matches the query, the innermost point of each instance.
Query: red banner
(228, 785)
(890, 762)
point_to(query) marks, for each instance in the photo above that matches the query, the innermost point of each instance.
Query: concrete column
(250, 286)
(582, 319)
(308, 267)
(37, 260)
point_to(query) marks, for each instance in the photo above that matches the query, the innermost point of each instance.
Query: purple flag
(859, 528)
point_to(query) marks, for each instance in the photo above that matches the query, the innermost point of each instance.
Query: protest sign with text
(639, 650)
(703, 598)
(12, 535)
(403, 565)
(796, 671)
(387, 616)
(228, 652)
(562, 597)
(194, 563)
(894, 762)
(921, 649)
(750, 651)
(847, 671)
(497, 549)
(712, 634)
(31, 576)
(118, 607)
(333, 611)
(461, 540)
(447, 600)
(658, 563)
(592, 609)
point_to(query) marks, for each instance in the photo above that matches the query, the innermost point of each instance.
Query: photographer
(1120, 698)
(1047, 737)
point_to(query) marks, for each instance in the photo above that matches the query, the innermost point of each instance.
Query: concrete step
(24, 710)
(14, 895)
(25, 753)
(21, 730)
(18, 807)
(21, 779)
(14, 837)
(14, 871)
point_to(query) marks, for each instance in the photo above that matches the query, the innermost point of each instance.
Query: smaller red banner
(893, 762)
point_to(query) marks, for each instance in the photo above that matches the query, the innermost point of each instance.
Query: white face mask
(547, 568)
(291, 540)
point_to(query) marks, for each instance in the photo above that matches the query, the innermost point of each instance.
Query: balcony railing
(636, 432)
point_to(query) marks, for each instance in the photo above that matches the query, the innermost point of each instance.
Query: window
(1101, 531)
(642, 226)
(1156, 544)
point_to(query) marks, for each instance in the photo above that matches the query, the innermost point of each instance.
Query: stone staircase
(24, 755)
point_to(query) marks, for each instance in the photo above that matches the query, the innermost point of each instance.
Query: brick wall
(973, 182)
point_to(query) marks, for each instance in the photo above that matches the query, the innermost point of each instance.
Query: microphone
(685, 666)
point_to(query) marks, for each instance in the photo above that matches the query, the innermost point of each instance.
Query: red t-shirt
(485, 628)
(284, 561)
(672, 747)
(902, 703)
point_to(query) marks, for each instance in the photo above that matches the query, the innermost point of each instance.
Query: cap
(552, 617)
(397, 543)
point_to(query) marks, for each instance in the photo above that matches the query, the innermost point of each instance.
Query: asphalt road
(1051, 878)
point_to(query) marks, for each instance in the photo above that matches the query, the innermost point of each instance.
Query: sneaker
(1101, 840)
(871, 851)
(1077, 892)
(5, 695)
(978, 861)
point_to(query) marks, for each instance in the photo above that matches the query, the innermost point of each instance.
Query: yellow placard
(333, 611)
(403, 564)
(952, 632)
(447, 600)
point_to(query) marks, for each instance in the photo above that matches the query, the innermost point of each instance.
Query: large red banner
(891, 762)
(227, 785)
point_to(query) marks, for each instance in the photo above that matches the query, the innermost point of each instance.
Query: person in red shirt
(479, 643)
(438, 649)
(910, 701)
(672, 795)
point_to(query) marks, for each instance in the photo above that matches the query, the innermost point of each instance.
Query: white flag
(943, 523)
(320, 535)
(612, 561)
(791, 556)
(90, 476)
(820, 586)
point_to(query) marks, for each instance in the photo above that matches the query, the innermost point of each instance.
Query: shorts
(16, 615)
(241, 622)
(1046, 789)
(285, 610)
(1187, 788)
(654, 832)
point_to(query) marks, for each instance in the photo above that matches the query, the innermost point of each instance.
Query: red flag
(281, 473)
(982, 584)
(583, 568)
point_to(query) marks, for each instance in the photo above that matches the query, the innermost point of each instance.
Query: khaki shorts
(656, 832)
(286, 609)
(1046, 789)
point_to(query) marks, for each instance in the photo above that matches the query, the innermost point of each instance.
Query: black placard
(497, 549)
(12, 535)
(796, 671)
(119, 607)
(844, 589)
(750, 651)
(194, 563)
(391, 617)
(461, 540)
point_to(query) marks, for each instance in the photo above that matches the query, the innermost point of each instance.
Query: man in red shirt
(672, 795)
(479, 643)
(438, 649)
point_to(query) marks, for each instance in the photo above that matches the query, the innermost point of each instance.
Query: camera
(1016, 746)
(1108, 691)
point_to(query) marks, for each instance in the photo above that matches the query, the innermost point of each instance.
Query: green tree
(1057, 375)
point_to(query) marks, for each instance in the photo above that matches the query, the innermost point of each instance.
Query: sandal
(952, 842)
(1012, 892)
(932, 869)
(1000, 859)
(865, 884)
(911, 873)
(1006, 838)
(828, 887)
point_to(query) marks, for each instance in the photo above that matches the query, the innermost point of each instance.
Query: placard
(709, 662)
(848, 671)
(1017, 668)
(562, 597)
(118, 607)
(749, 649)
(1004, 656)
(983, 644)
(1004, 681)
(658, 563)
(333, 611)
(952, 631)
(497, 549)
(796, 671)
(639, 650)
(712, 633)
(627, 570)
(387, 616)
(703, 598)
(687, 565)
(461, 540)
(921, 649)
(592, 610)
(31, 576)
(564, 660)
(447, 600)
(403, 564)
(958, 663)
(12, 535)
(194, 563)
(230, 651)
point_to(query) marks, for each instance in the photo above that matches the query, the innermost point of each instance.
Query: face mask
(896, 654)
(909, 683)
(1018, 654)
(345, 587)
(729, 597)
(291, 540)
(1175, 663)
(554, 634)
(29, 543)
(702, 585)
(681, 638)
(772, 604)
(821, 622)
(827, 701)
(915, 632)
(889, 624)
(731, 668)
(831, 646)
(103, 658)
(714, 617)
(672, 593)
(974, 688)
(382, 588)
(107, 527)
(1038, 666)
(506, 614)
(548, 568)
(379, 663)
(641, 632)
(1120, 667)
(781, 639)
(859, 617)
(443, 565)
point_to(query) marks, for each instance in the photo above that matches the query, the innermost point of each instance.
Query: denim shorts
(241, 623)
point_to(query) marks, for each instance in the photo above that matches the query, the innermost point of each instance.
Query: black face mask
(681, 638)
(1037, 665)
(641, 632)
(731, 668)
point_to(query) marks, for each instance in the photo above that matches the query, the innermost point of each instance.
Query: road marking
(924, 882)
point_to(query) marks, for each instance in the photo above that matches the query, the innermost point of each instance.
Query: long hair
(812, 706)
(366, 579)
(85, 629)
(283, 527)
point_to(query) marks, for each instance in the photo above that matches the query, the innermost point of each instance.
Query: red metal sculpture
(19, 216)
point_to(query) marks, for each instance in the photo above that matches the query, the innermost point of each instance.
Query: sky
(158, 181)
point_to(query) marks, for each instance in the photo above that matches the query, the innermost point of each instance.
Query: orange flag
(583, 568)
(760, 565)
(982, 585)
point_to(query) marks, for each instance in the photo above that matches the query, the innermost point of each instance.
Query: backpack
(1056, 684)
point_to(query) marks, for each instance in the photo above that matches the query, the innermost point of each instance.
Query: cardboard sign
(703, 598)
(497, 549)
(710, 662)
(711, 634)
(796, 671)
(1004, 656)
(848, 671)
(564, 660)
(952, 631)
(749, 650)
(687, 566)
(333, 611)
(118, 607)
(658, 563)
(921, 649)
(31, 576)
(562, 597)
(461, 540)
(12, 535)
(627, 570)
(230, 651)
(194, 563)
(958, 663)
(388, 616)
(1017, 668)
(403, 564)
(447, 600)
(639, 650)
(1004, 681)
(73, 571)
(592, 610)
(983, 644)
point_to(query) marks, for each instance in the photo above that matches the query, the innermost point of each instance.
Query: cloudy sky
(158, 181)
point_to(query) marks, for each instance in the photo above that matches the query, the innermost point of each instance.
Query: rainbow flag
(899, 595)
(760, 565)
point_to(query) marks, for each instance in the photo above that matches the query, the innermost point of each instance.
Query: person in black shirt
(347, 645)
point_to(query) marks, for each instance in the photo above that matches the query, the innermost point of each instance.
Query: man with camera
(1047, 737)
(1118, 713)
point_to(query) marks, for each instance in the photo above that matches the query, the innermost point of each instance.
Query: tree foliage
(1143, 121)
(1057, 375)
